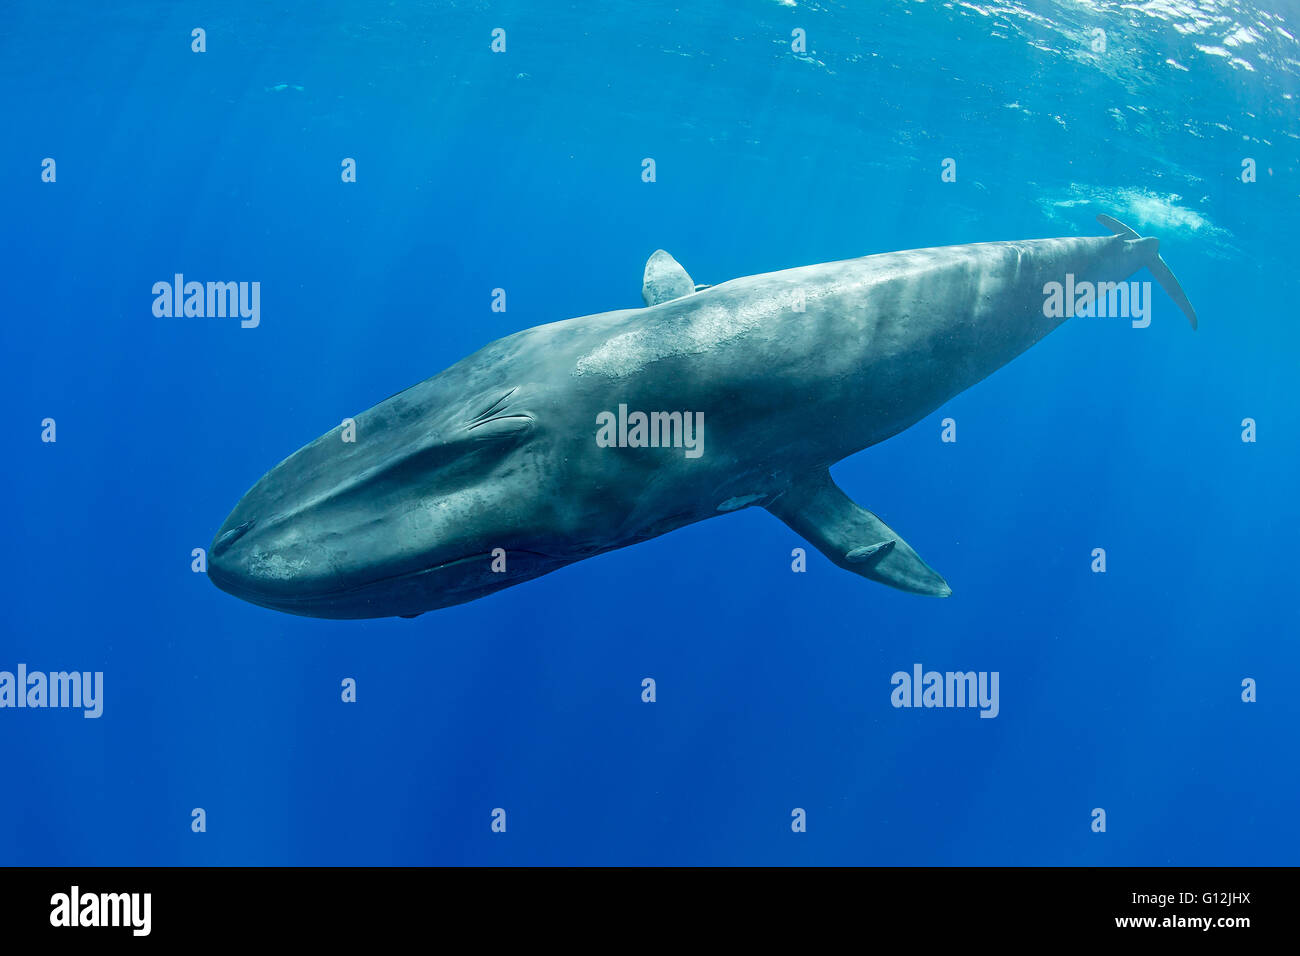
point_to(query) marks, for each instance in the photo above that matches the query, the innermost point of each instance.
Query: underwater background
(523, 170)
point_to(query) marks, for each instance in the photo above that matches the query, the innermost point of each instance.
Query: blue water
(522, 170)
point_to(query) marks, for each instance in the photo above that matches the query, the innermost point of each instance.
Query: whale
(578, 437)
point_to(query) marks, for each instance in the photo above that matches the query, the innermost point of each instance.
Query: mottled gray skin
(499, 451)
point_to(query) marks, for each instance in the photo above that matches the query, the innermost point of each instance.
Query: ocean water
(522, 170)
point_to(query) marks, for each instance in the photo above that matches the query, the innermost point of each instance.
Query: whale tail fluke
(1159, 268)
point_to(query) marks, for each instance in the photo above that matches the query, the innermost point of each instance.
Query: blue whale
(571, 439)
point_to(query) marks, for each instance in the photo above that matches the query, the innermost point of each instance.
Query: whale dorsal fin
(664, 279)
(853, 537)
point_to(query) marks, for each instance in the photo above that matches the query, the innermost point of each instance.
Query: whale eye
(500, 426)
(499, 418)
(494, 407)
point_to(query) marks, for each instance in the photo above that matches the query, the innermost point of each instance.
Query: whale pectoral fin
(664, 279)
(854, 538)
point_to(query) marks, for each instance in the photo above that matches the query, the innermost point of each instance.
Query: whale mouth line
(283, 600)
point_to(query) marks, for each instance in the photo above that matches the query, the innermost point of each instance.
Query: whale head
(423, 501)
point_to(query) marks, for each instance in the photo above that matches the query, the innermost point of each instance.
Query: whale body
(575, 438)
